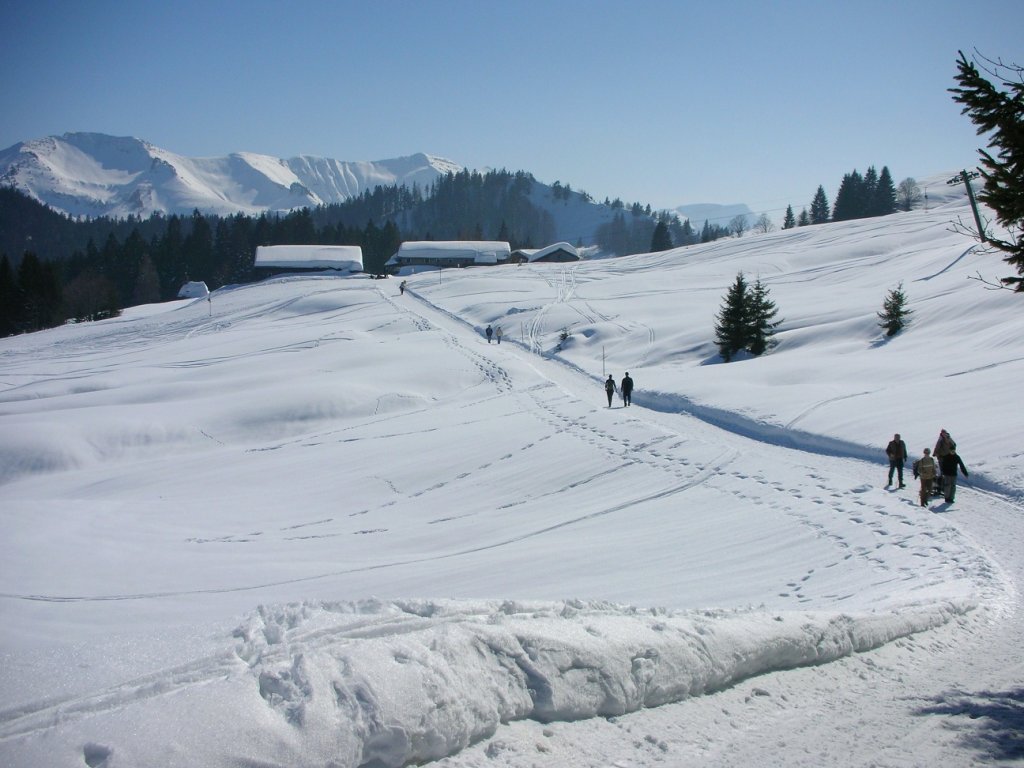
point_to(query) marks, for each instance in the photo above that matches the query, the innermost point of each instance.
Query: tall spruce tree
(819, 207)
(8, 298)
(790, 221)
(732, 329)
(883, 198)
(870, 185)
(661, 240)
(850, 199)
(761, 314)
(999, 112)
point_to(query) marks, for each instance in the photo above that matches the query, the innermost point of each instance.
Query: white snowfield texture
(314, 521)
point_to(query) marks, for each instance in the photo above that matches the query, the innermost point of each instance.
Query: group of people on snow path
(497, 332)
(941, 464)
(626, 388)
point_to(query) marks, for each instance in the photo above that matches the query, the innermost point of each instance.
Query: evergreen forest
(54, 268)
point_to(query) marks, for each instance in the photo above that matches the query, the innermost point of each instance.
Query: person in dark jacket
(489, 332)
(896, 450)
(627, 389)
(948, 464)
(609, 388)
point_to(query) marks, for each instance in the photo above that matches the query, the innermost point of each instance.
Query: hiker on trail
(925, 469)
(896, 450)
(945, 444)
(401, 287)
(609, 388)
(627, 389)
(498, 332)
(949, 464)
(489, 332)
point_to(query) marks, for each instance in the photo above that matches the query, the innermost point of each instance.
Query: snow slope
(313, 522)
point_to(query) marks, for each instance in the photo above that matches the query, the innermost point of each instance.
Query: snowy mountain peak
(94, 174)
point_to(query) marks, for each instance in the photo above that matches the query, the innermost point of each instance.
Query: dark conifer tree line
(55, 268)
(859, 197)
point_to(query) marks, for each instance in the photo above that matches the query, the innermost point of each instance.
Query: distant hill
(712, 213)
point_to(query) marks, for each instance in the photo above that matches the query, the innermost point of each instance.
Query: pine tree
(850, 199)
(661, 240)
(819, 207)
(8, 298)
(732, 321)
(1000, 114)
(804, 218)
(761, 321)
(790, 221)
(883, 199)
(868, 191)
(894, 315)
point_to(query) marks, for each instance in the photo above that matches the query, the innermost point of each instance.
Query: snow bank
(393, 683)
(375, 683)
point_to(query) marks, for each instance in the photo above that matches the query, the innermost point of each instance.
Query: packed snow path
(536, 558)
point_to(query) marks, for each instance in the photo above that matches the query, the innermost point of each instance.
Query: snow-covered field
(315, 523)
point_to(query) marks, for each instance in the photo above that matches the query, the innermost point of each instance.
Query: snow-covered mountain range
(94, 174)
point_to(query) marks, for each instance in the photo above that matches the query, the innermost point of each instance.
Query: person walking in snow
(401, 287)
(627, 389)
(896, 450)
(498, 332)
(943, 445)
(948, 465)
(489, 332)
(609, 388)
(925, 469)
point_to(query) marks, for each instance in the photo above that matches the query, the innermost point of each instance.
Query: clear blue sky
(664, 103)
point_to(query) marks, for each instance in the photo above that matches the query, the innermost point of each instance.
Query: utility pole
(965, 176)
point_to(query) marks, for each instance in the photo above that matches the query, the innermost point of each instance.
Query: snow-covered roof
(536, 254)
(478, 251)
(193, 290)
(342, 257)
